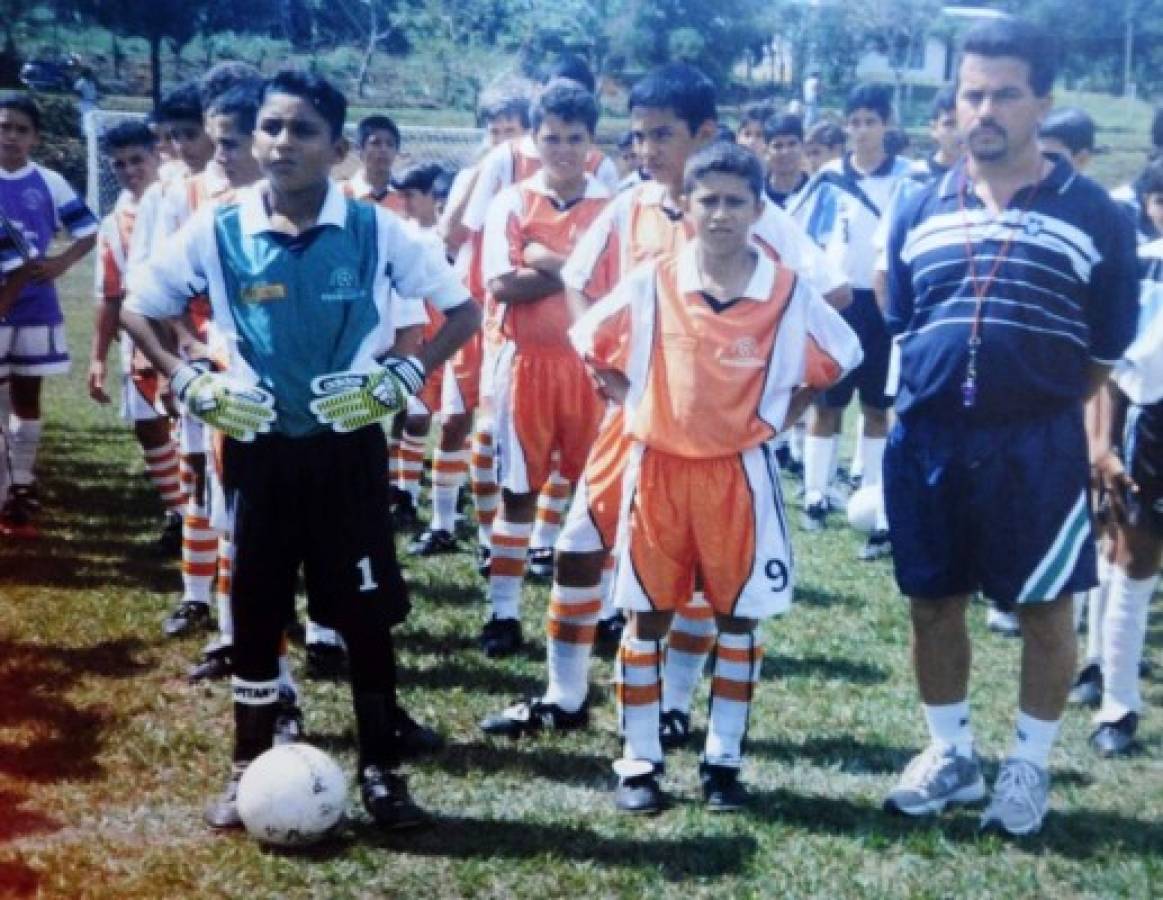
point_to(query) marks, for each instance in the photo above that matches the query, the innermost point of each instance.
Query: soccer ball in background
(292, 796)
(864, 507)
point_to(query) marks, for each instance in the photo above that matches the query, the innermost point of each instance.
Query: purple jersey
(38, 202)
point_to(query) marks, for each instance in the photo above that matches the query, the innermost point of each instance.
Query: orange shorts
(461, 379)
(592, 522)
(717, 521)
(547, 416)
(430, 395)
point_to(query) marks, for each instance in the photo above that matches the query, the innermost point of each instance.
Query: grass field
(106, 755)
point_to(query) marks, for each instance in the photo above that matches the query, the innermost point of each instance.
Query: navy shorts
(1001, 508)
(1143, 449)
(871, 376)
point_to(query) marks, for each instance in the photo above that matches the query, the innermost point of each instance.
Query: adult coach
(306, 288)
(1012, 286)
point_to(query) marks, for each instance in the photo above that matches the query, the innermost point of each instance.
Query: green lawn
(106, 755)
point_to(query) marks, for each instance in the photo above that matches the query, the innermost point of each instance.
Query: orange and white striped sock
(222, 587)
(486, 493)
(551, 506)
(691, 638)
(738, 658)
(510, 546)
(187, 479)
(411, 464)
(609, 568)
(639, 671)
(569, 639)
(199, 554)
(393, 461)
(448, 473)
(164, 472)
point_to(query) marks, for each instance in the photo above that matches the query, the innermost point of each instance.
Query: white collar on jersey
(595, 190)
(690, 280)
(27, 169)
(253, 213)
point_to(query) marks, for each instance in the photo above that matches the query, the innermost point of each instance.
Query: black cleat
(189, 616)
(385, 797)
(815, 516)
(1087, 687)
(404, 514)
(501, 637)
(878, 546)
(432, 541)
(674, 729)
(609, 632)
(541, 562)
(217, 662)
(326, 662)
(638, 791)
(16, 516)
(289, 727)
(721, 788)
(412, 738)
(222, 811)
(484, 561)
(1115, 738)
(532, 716)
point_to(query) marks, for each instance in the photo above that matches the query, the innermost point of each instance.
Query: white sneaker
(1021, 796)
(934, 778)
(1004, 623)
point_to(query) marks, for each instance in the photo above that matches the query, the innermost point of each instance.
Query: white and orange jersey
(358, 188)
(113, 244)
(528, 213)
(711, 379)
(182, 198)
(517, 160)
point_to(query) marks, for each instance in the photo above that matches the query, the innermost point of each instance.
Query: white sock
(609, 569)
(859, 456)
(737, 663)
(222, 587)
(569, 641)
(23, 440)
(317, 634)
(638, 672)
(949, 726)
(1096, 599)
(1124, 630)
(691, 639)
(286, 679)
(507, 569)
(873, 460)
(448, 471)
(796, 442)
(1033, 739)
(818, 454)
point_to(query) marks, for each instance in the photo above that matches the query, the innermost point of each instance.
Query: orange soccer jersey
(357, 188)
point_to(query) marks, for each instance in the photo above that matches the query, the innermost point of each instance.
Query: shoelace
(1016, 784)
(920, 770)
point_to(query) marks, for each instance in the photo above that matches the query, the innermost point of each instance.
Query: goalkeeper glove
(351, 400)
(239, 411)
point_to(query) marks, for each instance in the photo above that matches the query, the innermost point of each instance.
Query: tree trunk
(365, 65)
(155, 68)
(115, 52)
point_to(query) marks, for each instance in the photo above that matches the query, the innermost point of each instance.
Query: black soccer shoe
(217, 662)
(815, 516)
(501, 637)
(1087, 687)
(533, 716)
(433, 541)
(721, 788)
(18, 511)
(222, 811)
(169, 539)
(385, 797)
(674, 729)
(189, 616)
(609, 631)
(326, 662)
(484, 561)
(404, 514)
(638, 791)
(540, 563)
(1112, 739)
(412, 738)
(878, 546)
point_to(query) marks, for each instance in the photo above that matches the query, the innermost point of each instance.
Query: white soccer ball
(292, 796)
(865, 506)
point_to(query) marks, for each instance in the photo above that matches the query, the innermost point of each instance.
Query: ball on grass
(292, 796)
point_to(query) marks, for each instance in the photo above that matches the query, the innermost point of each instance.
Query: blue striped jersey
(1064, 294)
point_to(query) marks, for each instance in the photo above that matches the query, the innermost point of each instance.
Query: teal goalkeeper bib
(303, 306)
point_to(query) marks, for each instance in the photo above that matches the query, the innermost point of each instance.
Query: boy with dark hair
(751, 131)
(131, 151)
(704, 501)
(823, 143)
(303, 285)
(377, 141)
(947, 142)
(1069, 132)
(547, 412)
(841, 209)
(784, 151)
(36, 204)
